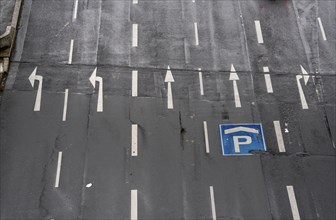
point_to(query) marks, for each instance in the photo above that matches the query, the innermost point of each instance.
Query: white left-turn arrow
(305, 77)
(169, 79)
(93, 79)
(32, 79)
(234, 77)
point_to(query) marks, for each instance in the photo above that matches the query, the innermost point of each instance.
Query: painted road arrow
(234, 77)
(305, 77)
(32, 79)
(169, 79)
(93, 79)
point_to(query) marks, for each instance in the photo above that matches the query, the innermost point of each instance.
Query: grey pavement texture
(6, 12)
(172, 173)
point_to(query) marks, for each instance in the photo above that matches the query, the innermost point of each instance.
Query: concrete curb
(7, 41)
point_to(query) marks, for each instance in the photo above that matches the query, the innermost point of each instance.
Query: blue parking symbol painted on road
(240, 139)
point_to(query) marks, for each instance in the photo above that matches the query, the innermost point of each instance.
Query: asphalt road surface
(112, 107)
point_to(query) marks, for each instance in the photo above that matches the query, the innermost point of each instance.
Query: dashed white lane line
(134, 83)
(213, 205)
(322, 29)
(134, 204)
(268, 81)
(75, 9)
(65, 107)
(134, 35)
(71, 51)
(293, 203)
(201, 81)
(58, 171)
(196, 34)
(279, 137)
(134, 144)
(135, 2)
(259, 33)
(206, 137)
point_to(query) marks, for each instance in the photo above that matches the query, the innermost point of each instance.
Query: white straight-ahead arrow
(169, 79)
(32, 79)
(234, 77)
(305, 77)
(93, 79)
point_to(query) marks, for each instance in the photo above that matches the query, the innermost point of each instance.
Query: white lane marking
(74, 15)
(213, 205)
(268, 80)
(279, 137)
(135, 2)
(258, 30)
(322, 29)
(206, 137)
(193, 1)
(71, 51)
(196, 34)
(32, 79)
(293, 204)
(134, 204)
(58, 171)
(134, 140)
(65, 107)
(134, 83)
(169, 79)
(201, 81)
(134, 35)
(93, 78)
(302, 96)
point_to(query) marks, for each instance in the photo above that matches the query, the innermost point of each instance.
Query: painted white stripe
(196, 34)
(193, 1)
(302, 96)
(201, 81)
(170, 97)
(135, 2)
(236, 94)
(65, 107)
(100, 94)
(71, 51)
(134, 204)
(206, 137)
(213, 205)
(37, 106)
(134, 140)
(134, 35)
(279, 137)
(293, 204)
(74, 15)
(258, 30)
(134, 83)
(322, 29)
(58, 171)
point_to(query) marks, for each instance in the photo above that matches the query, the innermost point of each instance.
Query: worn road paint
(322, 29)
(279, 137)
(258, 31)
(134, 144)
(206, 137)
(201, 81)
(213, 205)
(134, 35)
(134, 83)
(58, 171)
(135, 2)
(134, 204)
(293, 204)
(65, 106)
(302, 96)
(268, 81)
